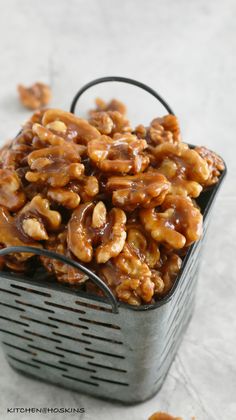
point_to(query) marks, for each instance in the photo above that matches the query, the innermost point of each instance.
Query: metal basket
(91, 344)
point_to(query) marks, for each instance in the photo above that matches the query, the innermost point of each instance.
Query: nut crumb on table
(163, 416)
(122, 201)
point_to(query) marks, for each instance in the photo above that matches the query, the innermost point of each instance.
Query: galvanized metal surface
(71, 341)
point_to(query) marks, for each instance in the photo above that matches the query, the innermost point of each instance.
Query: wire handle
(123, 80)
(59, 257)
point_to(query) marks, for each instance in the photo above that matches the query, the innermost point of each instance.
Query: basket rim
(99, 299)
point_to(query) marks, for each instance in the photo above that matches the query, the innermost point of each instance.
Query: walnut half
(36, 219)
(143, 190)
(11, 193)
(178, 225)
(35, 96)
(90, 225)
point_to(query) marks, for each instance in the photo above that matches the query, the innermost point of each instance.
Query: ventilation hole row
(49, 364)
(105, 354)
(14, 321)
(80, 380)
(77, 367)
(34, 306)
(68, 323)
(109, 381)
(97, 378)
(37, 321)
(70, 351)
(64, 307)
(75, 352)
(58, 341)
(96, 337)
(18, 348)
(10, 292)
(103, 324)
(22, 361)
(93, 306)
(46, 351)
(71, 338)
(12, 307)
(16, 335)
(27, 289)
(42, 336)
(65, 370)
(61, 355)
(107, 367)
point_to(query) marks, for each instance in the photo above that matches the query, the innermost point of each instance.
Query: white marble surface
(186, 50)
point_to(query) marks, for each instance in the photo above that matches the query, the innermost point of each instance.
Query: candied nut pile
(119, 200)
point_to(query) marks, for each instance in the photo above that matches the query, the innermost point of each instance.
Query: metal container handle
(50, 254)
(122, 80)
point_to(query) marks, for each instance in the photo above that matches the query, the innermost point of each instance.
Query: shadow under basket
(78, 341)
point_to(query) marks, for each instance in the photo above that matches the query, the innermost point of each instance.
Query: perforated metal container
(95, 345)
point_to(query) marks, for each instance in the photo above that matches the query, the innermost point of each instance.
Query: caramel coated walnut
(64, 197)
(161, 130)
(35, 96)
(36, 219)
(47, 136)
(143, 245)
(55, 165)
(13, 263)
(99, 216)
(90, 225)
(11, 236)
(170, 124)
(35, 118)
(110, 122)
(113, 105)
(113, 237)
(78, 129)
(85, 188)
(123, 154)
(64, 272)
(3, 152)
(157, 135)
(188, 218)
(179, 185)
(183, 167)
(170, 264)
(214, 162)
(15, 155)
(135, 290)
(102, 121)
(143, 190)
(164, 265)
(80, 232)
(188, 161)
(129, 277)
(11, 194)
(179, 225)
